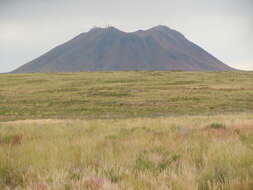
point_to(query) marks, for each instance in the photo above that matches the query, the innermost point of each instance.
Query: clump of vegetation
(216, 126)
(14, 139)
(143, 163)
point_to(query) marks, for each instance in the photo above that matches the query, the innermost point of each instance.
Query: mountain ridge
(110, 49)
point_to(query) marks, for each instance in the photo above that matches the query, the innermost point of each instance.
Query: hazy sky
(29, 28)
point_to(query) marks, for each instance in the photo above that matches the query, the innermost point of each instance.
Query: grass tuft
(216, 126)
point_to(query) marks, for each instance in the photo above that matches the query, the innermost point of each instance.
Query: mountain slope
(108, 49)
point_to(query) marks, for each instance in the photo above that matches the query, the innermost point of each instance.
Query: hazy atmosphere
(30, 28)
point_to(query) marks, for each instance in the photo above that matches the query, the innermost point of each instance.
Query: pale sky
(29, 28)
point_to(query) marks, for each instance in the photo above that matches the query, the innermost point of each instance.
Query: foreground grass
(174, 153)
(123, 94)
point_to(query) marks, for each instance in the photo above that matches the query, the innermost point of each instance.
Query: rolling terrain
(123, 94)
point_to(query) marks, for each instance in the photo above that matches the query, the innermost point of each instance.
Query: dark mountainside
(109, 49)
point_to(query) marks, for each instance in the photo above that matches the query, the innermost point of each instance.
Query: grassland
(123, 94)
(126, 131)
(178, 153)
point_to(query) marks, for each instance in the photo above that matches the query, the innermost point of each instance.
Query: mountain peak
(161, 28)
(105, 29)
(96, 29)
(110, 49)
(112, 29)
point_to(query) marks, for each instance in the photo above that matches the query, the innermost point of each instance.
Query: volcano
(110, 49)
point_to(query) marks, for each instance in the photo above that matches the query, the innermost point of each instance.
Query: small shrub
(11, 139)
(175, 157)
(144, 164)
(216, 126)
(163, 165)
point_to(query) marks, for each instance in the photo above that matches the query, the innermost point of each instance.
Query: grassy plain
(123, 94)
(126, 131)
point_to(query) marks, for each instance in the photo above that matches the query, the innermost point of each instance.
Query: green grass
(123, 94)
(217, 126)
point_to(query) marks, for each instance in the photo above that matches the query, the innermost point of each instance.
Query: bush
(216, 126)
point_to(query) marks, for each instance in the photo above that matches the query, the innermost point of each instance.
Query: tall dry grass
(176, 153)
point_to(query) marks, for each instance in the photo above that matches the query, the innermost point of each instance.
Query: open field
(126, 131)
(173, 153)
(123, 94)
